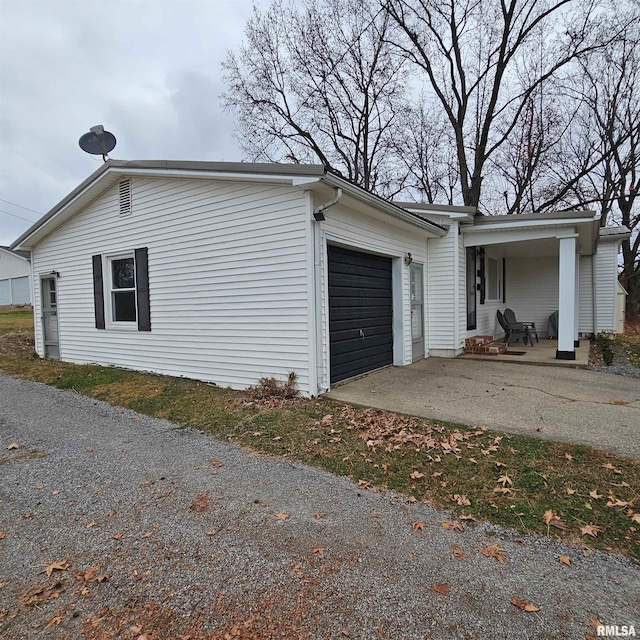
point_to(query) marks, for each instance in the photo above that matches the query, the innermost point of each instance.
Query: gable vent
(124, 187)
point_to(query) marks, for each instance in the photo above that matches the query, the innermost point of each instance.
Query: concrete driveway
(570, 405)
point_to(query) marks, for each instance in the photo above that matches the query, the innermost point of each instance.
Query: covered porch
(542, 353)
(536, 266)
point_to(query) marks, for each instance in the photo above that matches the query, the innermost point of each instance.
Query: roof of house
(20, 254)
(614, 233)
(294, 174)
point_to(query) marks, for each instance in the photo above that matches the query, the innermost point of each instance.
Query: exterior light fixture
(408, 259)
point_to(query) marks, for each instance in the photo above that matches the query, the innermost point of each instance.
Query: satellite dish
(98, 142)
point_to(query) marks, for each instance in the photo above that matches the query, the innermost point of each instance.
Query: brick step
(484, 345)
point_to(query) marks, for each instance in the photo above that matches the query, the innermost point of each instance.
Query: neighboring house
(15, 277)
(230, 272)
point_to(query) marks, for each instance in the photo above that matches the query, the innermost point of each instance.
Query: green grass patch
(14, 319)
(507, 480)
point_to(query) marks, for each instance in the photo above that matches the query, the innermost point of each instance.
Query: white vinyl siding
(532, 289)
(585, 303)
(14, 279)
(606, 285)
(445, 293)
(227, 280)
(376, 233)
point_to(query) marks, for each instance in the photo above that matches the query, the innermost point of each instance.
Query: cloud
(149, 71)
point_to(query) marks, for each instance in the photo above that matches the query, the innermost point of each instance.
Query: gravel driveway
(172, 534)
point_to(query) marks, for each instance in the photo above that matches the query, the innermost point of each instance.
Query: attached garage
(360, 312)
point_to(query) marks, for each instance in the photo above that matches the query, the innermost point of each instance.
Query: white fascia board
(217, 175)
(525, 224)
(487, 237)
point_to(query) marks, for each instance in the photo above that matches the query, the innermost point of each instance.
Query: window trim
(119, 325)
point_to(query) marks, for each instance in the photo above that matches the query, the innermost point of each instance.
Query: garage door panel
(360, 312)
(362, 347)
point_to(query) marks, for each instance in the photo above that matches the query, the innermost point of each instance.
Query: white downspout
(319, 297)
(323, 207)
(594, 293)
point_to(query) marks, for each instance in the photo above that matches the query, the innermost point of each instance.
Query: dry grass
(509, 480)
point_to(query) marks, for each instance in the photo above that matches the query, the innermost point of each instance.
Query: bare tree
(609, 88)
(471, 52)
(320, 82)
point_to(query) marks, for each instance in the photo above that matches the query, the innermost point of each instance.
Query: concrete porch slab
(556, 403)
(542, 353)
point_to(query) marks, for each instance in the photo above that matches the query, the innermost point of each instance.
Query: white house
(230, 272)
(15, 270)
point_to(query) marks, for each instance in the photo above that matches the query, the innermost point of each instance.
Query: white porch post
(576, 313)
(567, 321)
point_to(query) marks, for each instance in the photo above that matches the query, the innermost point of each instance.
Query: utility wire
(15, 216)
(21, 207)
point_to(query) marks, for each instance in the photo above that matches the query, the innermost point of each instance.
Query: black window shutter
(504, 280)
(142, 289)
(98, 291)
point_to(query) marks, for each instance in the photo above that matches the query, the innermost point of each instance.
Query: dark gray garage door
(360, 313)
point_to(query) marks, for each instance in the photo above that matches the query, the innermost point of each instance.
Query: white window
(121, 280)
(494, 279)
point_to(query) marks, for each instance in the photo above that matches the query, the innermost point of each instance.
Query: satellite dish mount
(98, 142)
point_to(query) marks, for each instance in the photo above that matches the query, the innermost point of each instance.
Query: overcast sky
(148, 70)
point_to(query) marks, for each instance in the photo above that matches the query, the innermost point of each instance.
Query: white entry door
(49, 290)
(417, 312)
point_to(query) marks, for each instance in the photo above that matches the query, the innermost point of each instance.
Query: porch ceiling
(526, 248)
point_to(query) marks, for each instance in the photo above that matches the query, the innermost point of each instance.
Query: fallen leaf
(595, 495)
(117, 536)
(13, 445)
(590, 530)
(594, 623)
(201, 503)
(55, 621)
(417, 526)
(636, 517)
(211, 532)
(565, 560)
(568, 456)
(317, 550)
(524, 605)
(441, 588)
(416, 475)
(319, 515)
(464, 516)
(505, 480)
(412, 499)
(462, 500)
(610, 467)
(3, 535)
(571, 492)
(621, 402)
(89, 450)
(494, 551)
(215, 463)
(3, 583)
(502, 490)
(61, 565)
(87, 575)
(458, 553)
(282, 516)
(454, 525)
(298, 569)
(92, 524)
(554, 521)
(621, 484)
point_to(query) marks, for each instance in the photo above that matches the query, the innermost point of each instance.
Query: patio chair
(510, 317)
(513, 331)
